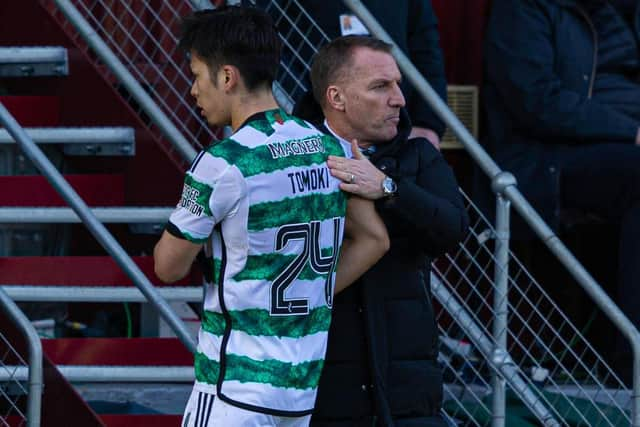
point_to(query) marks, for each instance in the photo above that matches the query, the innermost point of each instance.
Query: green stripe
(300, 209)
(258, 322)
(278, 374)
(201, 198)
(254, 161)
(262, 126)
(269, 266)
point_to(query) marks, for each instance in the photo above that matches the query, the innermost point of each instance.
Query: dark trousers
(605, 179)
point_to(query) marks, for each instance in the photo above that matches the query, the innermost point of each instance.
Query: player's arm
(365, 242)
(173, 257)
(211, 189)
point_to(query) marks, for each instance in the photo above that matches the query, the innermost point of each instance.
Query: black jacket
(541, 59)
(381, 358)
(413, 26)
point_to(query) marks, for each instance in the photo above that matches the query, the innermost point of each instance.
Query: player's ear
(229, 77)
(335, 97)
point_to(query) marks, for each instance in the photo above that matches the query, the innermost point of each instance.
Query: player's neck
(249, 104)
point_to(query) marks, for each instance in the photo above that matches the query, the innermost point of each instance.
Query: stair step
(82, 141)
(126, 215)
(117, 352)
(98, 294)
(137, 398)
(32, 61)
(35, 190)
(33, 110)
(96, 271)
(106, 374)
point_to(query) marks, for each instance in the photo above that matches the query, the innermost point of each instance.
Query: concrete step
(33, 61)
(111, 215)
(82, 141)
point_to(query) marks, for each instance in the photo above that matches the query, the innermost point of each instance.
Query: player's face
(372, 96)
(210, 96)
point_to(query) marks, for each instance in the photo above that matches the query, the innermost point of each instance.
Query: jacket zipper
(585, 15)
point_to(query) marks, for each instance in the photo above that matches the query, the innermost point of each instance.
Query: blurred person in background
(562, 98)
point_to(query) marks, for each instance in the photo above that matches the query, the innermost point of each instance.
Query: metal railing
(12, 388)
(543, 347)
(97, 229)
(485, 284)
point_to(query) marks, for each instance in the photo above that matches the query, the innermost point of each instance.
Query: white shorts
(205, 410)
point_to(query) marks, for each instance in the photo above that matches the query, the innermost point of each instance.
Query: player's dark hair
(333, 60)
(244, 37)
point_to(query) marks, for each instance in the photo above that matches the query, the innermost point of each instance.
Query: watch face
(389, 186)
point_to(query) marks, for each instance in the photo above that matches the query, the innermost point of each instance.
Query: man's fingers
(341, 163)
(341, 175)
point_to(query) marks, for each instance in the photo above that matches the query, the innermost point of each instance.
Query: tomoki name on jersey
(272, 218)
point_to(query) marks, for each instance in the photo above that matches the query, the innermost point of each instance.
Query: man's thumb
(355, 148)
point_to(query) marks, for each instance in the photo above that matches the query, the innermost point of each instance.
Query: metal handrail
(508, 189)
(127, 79)
(34, 398)
(97, 229)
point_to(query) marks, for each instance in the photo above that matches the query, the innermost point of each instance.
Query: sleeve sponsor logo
(189, 200)
(299, 147)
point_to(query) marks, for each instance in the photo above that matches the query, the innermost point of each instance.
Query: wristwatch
(389, 187)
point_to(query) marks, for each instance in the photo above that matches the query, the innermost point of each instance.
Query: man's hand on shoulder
(428, 134)
(638, 137)
(358, 175)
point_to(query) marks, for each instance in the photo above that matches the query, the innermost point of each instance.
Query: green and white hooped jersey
(272, 218)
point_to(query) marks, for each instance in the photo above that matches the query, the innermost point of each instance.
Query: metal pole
(34, 399)
(125, 77)
(500, 296)
(96, 228)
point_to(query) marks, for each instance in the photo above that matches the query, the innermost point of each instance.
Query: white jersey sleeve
(212, 191)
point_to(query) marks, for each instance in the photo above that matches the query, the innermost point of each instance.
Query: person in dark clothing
(413, 26)
(562, 98)
(381, 367)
